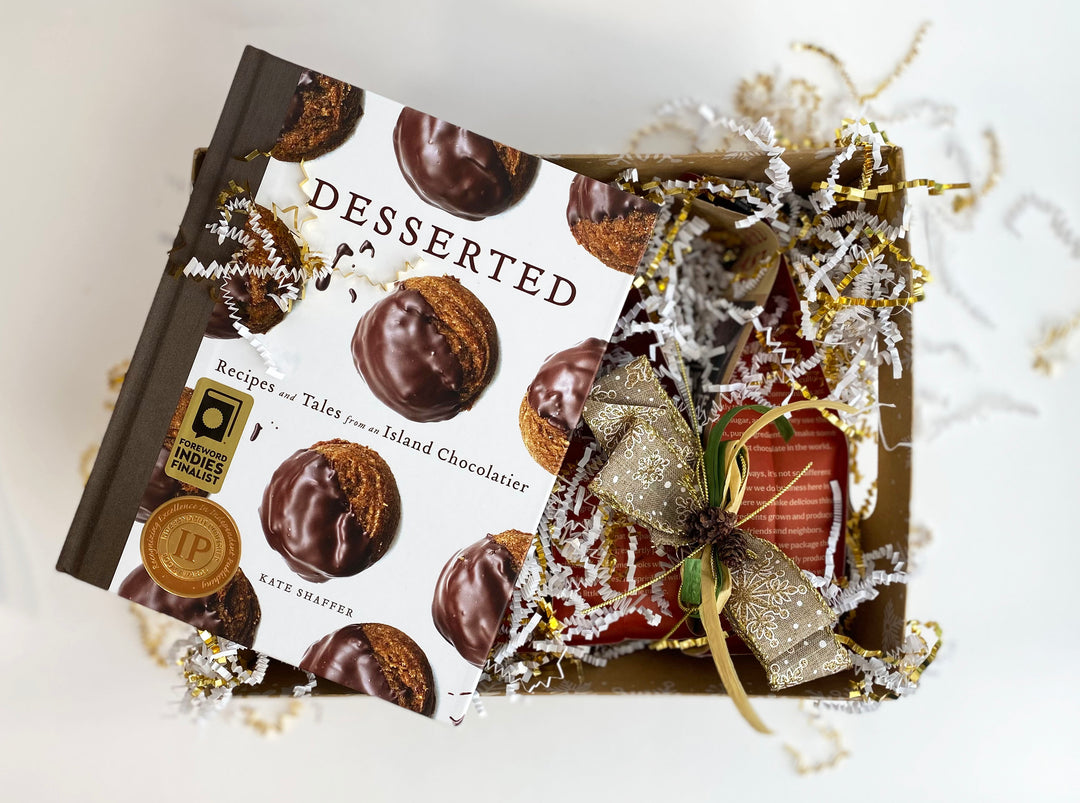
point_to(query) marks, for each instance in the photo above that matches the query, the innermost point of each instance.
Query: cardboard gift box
(879, 624)
(214, 297)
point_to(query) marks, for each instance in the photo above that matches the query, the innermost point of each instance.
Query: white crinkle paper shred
(690, 295)
(290, 277)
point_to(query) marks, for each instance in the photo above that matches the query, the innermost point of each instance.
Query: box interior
(673, 672)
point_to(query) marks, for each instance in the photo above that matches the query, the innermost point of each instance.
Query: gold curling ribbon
(711, 605)
(897, 71)
(861, 194)
(656, 472)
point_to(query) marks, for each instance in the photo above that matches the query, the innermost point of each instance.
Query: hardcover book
(363, 365)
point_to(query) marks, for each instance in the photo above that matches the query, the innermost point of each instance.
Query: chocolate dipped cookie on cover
(473, 590)
(160, 488)
(322, 114)
(262, 277)
(233, 612)
(331, 510)
(613, 225)
(375, 659)
(551, 408)
(428, 349)
(465, 174)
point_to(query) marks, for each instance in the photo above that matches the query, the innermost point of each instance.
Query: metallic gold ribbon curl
(857, 194)
(911, 673)
(873, 303)
(841, 70)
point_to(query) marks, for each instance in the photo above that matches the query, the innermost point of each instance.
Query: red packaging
(799, 521)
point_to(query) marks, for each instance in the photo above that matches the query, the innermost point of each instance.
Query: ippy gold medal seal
(190, 546)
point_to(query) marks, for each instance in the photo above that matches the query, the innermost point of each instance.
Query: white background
(102, 105)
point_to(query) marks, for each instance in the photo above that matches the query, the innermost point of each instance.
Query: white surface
(102, 104)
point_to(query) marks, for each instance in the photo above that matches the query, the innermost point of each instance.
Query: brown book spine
(251, 120)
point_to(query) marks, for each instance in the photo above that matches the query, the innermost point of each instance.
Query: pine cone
(714, 525)
(734, 549)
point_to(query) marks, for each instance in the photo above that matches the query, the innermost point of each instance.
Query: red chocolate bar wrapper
(799, 522)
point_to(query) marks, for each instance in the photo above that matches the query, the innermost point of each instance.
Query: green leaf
(690, 590)
(718, 568)
(714, 460)
(715, 447)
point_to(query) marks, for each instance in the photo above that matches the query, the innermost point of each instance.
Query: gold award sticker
(190, 546)
(206, 443)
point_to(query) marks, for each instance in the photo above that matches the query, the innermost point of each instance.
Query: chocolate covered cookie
(473, 590)
(161, 487)
(463, 173)
(331, 510)
(612, 225)
(233, 612)
(375, 659)
(428, 349)
(551, 408)
(322, 114)
(259, 278)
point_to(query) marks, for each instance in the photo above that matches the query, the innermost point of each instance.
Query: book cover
(355, 387)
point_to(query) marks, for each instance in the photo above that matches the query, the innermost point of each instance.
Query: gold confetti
(86, 462)
(897, 71)
(271, 727)
(857, 194)
(153, 630)
(663, 126)
(280, 213)
(792, 110)
(832, 737)
(1045, 360)
(115, 378)
(255, 154)
(910, 665)
(232, 190)
(993, 176)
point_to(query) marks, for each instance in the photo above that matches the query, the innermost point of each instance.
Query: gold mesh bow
(657, 472)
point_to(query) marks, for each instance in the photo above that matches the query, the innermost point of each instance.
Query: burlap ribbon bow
(658, 473)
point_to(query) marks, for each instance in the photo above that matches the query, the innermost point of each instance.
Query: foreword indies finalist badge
(206, 442)
(190, 546)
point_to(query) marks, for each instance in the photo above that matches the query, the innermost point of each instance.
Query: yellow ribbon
(736, 476)
(711, 605)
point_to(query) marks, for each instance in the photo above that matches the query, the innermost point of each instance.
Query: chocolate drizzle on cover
(331, 510)
(551, 409)
(428, 349)
(268, 265)
(233, 612)
(343, 250)
(612, 225)
(375, 659)
(460, 172)
(160, 488)
(322, 114)
(473, 590)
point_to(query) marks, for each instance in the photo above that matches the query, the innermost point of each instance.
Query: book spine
(251, 120)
